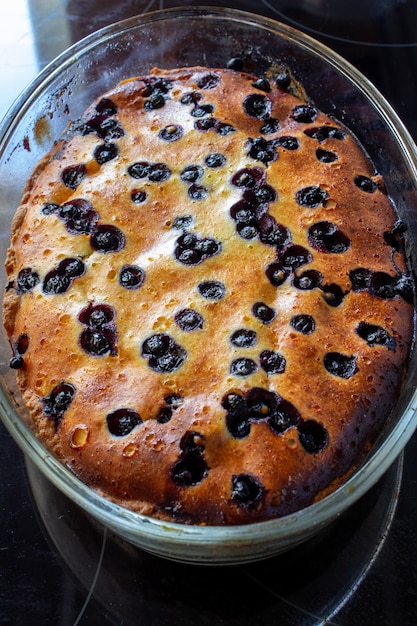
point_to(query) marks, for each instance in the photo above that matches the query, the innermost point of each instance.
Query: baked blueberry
(208, 246)
(340, 365)
(49, 208)
(288, 142)
(173, 400)
(277, 274)
(107, 238)
(164, 354)
(245, 212)
(121, 422)
(79, 216)
(189, 319)
(156, 85)
(97, 342)
(224, 129)
(191, 250)
(191, 466)
(321, 133)
(155, 101)
(106, 152)
(158, 172)
(260, 403)
(375, 335)
(257, 105)
(405, 288)
(262, 84)
(309, 279)
(364, 183)
(19, 349)
(191, 173)
(333, 294)
(16, 362)
(73, 175)
(139, 169)
(56, 281)
(394, 237)
(212, 289)
(188, 240)
(360, 278)
(139, 196)
(272, 362)
(189, 470)
(172, 132)
(265, 194)
(326, 156)
(183, 222)
(99, 338)
(156, 345)
(311, 196)
(97, 316)
(271, 233)
(106, 107)
(304, 113)
(26, 280)
(234, 402)
(215, 159)
(201, 110)
(294, 257)
(313, 436)
(71, 267)
(270, 126)
(165, 413)
(243, 338)
(283, 80)
(102, 122)
(246, 490)
(238, 425)
(263, 150)
(107, 128)
(208, 81)
(197, 192)
(248, 177)
(58, 401)
(59, 279)
(247, 231)
(243, 367)
(283, 417)
(327, 237)
(236, 63)
(383, 285)
(263, 312)
(131, 276)
(303, 323)
(192, 442)
(188, 256)
(191, 97)
(206, 123)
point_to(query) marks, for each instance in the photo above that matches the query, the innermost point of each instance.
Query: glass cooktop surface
(58, 566)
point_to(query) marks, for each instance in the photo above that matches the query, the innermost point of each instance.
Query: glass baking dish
(209, 37)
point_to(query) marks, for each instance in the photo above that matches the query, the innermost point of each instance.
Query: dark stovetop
(58, 567)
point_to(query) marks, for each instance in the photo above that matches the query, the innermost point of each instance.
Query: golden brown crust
(272, 205)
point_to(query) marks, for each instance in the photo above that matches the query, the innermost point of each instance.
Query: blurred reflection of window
(50, 28)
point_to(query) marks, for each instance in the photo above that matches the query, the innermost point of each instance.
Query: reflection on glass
(18, 63)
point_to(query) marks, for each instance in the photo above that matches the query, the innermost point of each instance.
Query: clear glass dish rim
(136, 524)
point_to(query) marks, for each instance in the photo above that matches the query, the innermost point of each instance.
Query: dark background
(57, 567)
